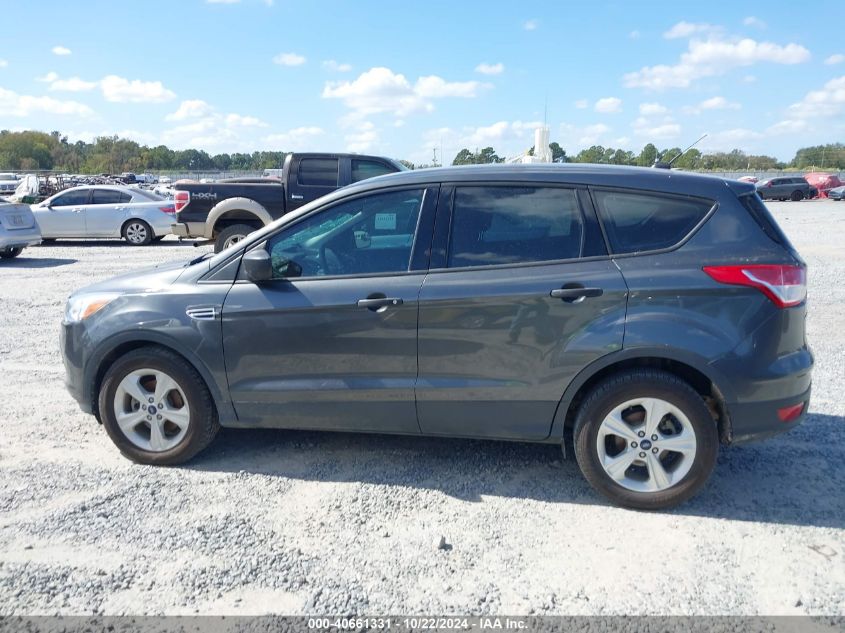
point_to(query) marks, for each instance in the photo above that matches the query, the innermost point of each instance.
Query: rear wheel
(156, 408)
(645, 440)
(9, 253)
(797, 195)
(137, 233)
(232, 235)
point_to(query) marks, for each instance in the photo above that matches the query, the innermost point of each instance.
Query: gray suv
(646, 315)
(794, 189)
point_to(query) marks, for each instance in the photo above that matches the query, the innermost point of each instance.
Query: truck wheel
(231, 235)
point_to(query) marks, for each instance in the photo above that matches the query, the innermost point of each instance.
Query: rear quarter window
(637, 222)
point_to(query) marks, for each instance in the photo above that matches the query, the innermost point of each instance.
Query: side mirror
(257, 266)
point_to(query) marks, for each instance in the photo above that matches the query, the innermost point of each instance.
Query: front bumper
(71, 343)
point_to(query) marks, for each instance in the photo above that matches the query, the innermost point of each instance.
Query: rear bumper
(20, 238)
(754, 421)
(188, 229)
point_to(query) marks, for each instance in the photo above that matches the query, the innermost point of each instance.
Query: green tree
(464, 157)
(647, 156)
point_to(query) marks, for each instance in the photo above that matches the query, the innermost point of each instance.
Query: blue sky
(403, 78)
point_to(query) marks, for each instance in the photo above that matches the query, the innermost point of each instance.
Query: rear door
(311, 178)
(520, 298)
(65, 217)
(106, 212)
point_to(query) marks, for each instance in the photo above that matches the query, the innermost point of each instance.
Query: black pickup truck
(228, 210)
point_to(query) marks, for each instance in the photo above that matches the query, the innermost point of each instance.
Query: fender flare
(698, 363)
(235, 204)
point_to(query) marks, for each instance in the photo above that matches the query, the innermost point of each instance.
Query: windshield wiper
(197, 260)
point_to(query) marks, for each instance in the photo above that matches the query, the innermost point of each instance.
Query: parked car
(229, 210)
(837, 193)
(18, 229)
(8, 184)
(136, 215)
(790, 188)
(507, 302)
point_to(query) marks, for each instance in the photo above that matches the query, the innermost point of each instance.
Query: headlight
(80, 307)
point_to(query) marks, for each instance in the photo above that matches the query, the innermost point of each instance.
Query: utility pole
(434, 157)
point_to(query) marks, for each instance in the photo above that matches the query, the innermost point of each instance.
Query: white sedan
(137, 216)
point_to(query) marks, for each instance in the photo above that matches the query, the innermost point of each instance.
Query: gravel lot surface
(295, 522)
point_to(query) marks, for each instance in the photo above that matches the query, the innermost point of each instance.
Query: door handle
(378, 303)
(76, 210)
(574, 294)
(296, 196)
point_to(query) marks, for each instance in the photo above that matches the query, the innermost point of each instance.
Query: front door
(331, 341)
(514, 313)
(65, 217)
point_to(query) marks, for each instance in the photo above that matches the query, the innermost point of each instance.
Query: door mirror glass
(256, 265)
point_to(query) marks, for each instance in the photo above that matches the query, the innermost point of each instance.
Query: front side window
(369, 235)
(511, 225)
(318, 172)
(363, 169)
(636, 222)
(71, 198)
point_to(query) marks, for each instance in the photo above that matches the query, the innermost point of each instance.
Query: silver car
(18, 229)
(137, 216)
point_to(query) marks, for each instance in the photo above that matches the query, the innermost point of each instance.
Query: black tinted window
(644, 222)
(373, 234)
(71, 198)
(509, 225)
(320, 172)
(108, 196)
(363, 169)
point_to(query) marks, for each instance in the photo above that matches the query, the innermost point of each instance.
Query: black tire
(137, 232)
(203, 425)
(158, 238)
(639, 383)
(10, 253)
(230, 235)
(797, 196)
(48, 240)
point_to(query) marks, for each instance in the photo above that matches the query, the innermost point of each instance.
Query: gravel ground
(295, 522)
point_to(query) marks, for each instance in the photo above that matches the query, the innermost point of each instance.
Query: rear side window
(318, 172)
(511, 225)
(636, 222)
(363, 169)
(109, 196)
(758, 210)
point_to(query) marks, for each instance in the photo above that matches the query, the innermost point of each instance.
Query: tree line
(31, 150)
(830, 156)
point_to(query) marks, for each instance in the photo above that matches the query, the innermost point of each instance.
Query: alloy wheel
(136, 233)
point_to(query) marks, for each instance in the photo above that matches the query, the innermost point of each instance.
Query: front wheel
(231, 235)
(137, 233)
(9, 253)
(156, 408)
(645, 440)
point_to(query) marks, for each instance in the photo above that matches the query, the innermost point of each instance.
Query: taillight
(785, 285)
(171, 210)
(181, 200)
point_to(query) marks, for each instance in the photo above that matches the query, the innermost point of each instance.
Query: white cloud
(838, 58)
(788, 126)
(827, 102)
(121, 90)
(190, 109)
(363, 138)
(490, 69)
(582, 104)
(686, 29)
(650, 109)
(713, 103)
(72, 84)
(657, 130)
(298, 139)
(380, 90)
(335, 66)
(749, 79)
(608, 105)
(238, 120)
(754, 21)
(289, 59)
(634, 35)
(3, 63)
(714, 57)
(729, 139)
(573, 136)
(48, 78)
(61, 50)
(14, 104)
(530, 25)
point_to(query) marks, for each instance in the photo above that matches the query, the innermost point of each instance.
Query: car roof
(118, 187)
(647, 178)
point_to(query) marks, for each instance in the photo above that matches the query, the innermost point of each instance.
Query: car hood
(144, 280)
